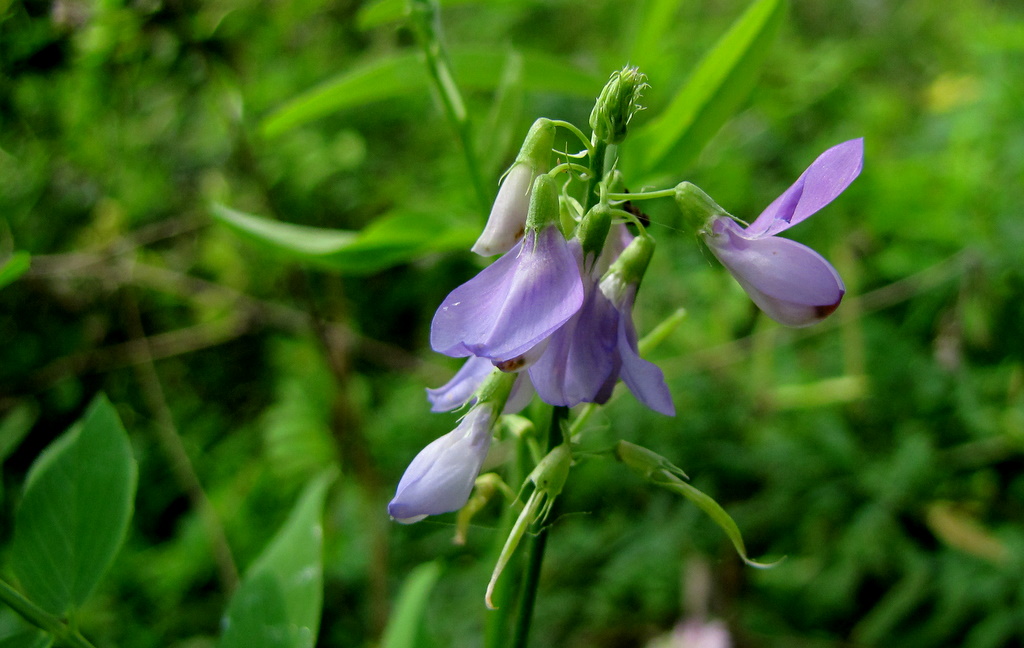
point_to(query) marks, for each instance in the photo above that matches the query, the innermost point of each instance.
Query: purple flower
(507, 221)
(643, 378)
(441, 476)
(598, 345)
(790, 282)
(580, 356)
(514, 304)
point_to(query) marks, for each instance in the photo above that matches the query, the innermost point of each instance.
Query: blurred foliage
(880, 453)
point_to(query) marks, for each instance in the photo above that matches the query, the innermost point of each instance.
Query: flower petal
(441, 476)
(816, 187)
(456, 392)
(580, 354)
(790, 282)
(507, 222)
(643, 378)
(514, 303)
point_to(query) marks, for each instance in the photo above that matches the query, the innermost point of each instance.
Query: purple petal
(643, 378)
(580, 355)
(457, 391)
(512, 304)
(816, 187)
(790, 282)
(460, 389)
(441, 476)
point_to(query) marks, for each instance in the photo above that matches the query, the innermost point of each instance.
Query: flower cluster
(552, 317)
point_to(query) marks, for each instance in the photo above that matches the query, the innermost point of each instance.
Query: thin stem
(174, 448)
(535, 557)
(596, 173)
(424, 18)
(62, 633)
(643, 195)
(575, 131)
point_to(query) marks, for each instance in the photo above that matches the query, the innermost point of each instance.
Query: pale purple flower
(441, 476)
(512, 305)
(507, 222)
(790, 282)
(580, 356)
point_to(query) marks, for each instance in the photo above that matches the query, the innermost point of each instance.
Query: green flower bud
(619, 101)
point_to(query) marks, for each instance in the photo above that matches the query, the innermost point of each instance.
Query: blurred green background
(880, 452)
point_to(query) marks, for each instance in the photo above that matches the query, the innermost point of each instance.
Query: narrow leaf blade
(390, 240)
(721, 81)
(402, 73)
(75, 512)
(407, 618)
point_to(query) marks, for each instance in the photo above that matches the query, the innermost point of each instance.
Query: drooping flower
(513, 305)
(791, 283)
(507, 221)
(440, 478)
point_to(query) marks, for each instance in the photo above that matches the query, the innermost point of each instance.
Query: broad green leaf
(278, 603)
(660, 471)
(396, 238)
(721, 81)
(407, 617)
(15, 266)
(73, 517)
(403, 74)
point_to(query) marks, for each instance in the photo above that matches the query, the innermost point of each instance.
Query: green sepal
(544, 208)
(593, 230)
(661, 472)
(697, 207)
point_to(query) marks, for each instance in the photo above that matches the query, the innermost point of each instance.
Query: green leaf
(390, 240)
(402, 74)
(74, 515)
(721, 81)
(407, 617)
(15, 266)
(660, 471)
(279, 601)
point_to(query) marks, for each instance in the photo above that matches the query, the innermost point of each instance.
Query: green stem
(643, 195)
(62, 633)
(424, 17)
(575, 131)
(535, 557)
(596, 173)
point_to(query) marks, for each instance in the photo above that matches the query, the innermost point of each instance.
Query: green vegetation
(235, 221)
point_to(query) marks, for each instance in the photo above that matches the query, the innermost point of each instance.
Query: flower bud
(507, 221)
(619, 101)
